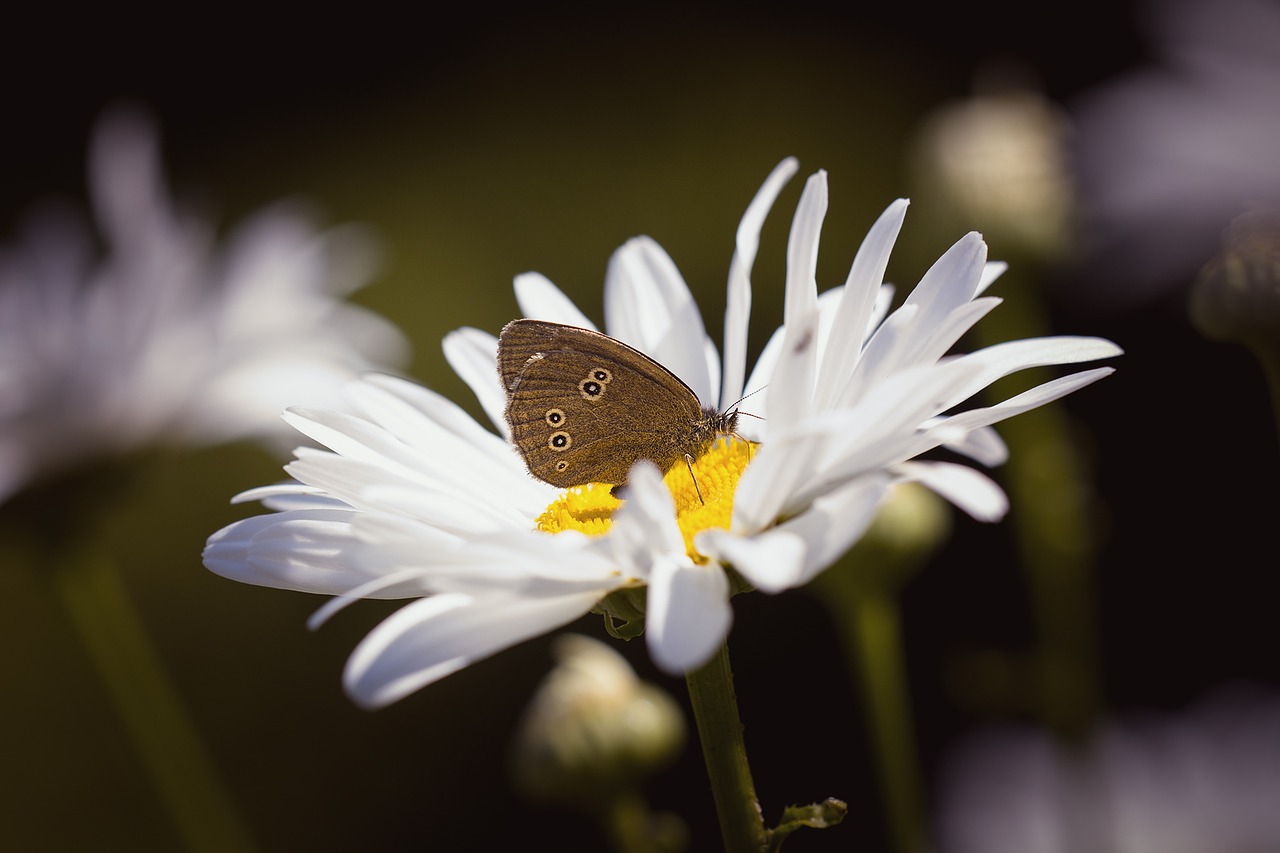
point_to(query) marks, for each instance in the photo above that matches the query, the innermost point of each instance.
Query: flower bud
(1237, 295)
(997, 162)
(593, 729)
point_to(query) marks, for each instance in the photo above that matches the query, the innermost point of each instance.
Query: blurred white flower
(1203, 781)
(166, 334)
(417, 499)
(1169, 154)
(998, 161)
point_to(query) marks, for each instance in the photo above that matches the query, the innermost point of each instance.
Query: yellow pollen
(590, 508)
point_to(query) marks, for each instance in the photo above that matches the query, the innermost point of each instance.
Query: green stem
(875, 634)
(715, 708)
(1267, 351)
(99, 608)
(1051, 496)
(867, 617)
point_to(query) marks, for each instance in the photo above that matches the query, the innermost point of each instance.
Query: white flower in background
(1170, 153)
(416, 499)
(1203, 781)
(166, 334)
(998, 160)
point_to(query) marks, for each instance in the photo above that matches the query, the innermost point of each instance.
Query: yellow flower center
(590, 508)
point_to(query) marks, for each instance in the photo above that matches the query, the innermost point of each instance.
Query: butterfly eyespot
(555, 417)
(559, 440)
(562, 466)
(601, 375)
(591, 389)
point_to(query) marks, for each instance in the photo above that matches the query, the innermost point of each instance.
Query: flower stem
(1051, 493)
(99, 609)
(1267, 351)
(874, 636)
(867, 615)
(715, 708)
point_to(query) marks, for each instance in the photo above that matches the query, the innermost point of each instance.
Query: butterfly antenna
(738, 412)
(745, 396)
(734, 408)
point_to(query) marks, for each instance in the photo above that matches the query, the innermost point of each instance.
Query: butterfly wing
(583, 407)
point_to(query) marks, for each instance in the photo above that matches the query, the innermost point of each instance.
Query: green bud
(1237, 295)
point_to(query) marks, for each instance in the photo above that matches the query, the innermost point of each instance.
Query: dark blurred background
(482, 144)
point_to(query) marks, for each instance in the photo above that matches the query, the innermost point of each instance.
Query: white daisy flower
(415, 499)
(167, 334)
(1169, 153)
(1205, 779)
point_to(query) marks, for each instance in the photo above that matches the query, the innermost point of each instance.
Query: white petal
(802, 249)
(880, 355)
(399, 542)
(351, 480)
(447, 509)
(779, 469)
(650, 497)
(933, 316)
(932, 344)
(289, 495)
(649, 306)
(436, 636)
(473, 355)
(645, 525)
(771, 561)
(348, 435)
(970, 489)
(982, 445)
(862, 287)
(306, 551)
(881, 429)
(884, 301)
(792, 553)
(790, 392)
(539, 299)
(755, 428)
(826, 452)
(738, 301)
(416, 415)
(760, 379)
(687, 615)
(517, 561)
(450, 444)
(1026, 401)
(370, 589)
(1011, 356)
(952, 280)
(992, 271)
(834, 522)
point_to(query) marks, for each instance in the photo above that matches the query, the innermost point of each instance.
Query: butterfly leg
(688, 461)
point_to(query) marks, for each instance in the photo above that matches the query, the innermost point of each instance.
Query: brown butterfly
(584, 407)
